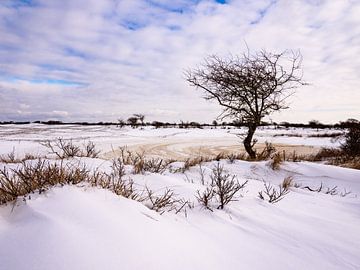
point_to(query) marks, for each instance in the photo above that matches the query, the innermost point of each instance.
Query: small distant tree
(121, 122)
(249, 87)
(133, 121)
(140, 117)
(315, 124)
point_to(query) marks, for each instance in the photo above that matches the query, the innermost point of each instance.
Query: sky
(92, 60)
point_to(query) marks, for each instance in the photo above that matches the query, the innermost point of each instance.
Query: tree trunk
(248, 141)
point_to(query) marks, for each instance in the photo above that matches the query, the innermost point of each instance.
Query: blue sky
(90, 60)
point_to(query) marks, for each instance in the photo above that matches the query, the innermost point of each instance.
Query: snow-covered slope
(88, 228)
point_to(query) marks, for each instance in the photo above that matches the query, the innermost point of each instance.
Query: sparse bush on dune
(142, 164)
(12, 158)
(67, 149)
(272, 194)
(205, 197)
(38, 177)
(9, 158)
(223, 188)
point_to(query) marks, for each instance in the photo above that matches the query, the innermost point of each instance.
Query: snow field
(82, 227)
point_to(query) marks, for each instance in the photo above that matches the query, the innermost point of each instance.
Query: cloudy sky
(100, 60)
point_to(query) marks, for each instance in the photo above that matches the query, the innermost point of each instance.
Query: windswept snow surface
(171, 143)
(78, 227)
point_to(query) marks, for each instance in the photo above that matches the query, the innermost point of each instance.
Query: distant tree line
(139, 122)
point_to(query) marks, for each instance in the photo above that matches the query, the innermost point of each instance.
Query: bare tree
(133, 121)
(141, 117)
(249, 87)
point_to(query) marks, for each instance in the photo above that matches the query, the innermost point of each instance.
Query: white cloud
(128, 56)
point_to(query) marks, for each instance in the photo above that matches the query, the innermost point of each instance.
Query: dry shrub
(42, 175)
(37, 177)
(272, 194)
(220, 156)
(141, 164)
(239, 156)
(353, 163)
(10, 188)
(288, 182)
(160, 202)
(116, 181)
(224, 187)
(30, 157)
(266, 153)
(156, 165)
(9, 158)
(327, 190)
(90, 150)
(165, 202)
(191, 162)
(276, 161)
(205, 197)
(67, 149)
(327, 153)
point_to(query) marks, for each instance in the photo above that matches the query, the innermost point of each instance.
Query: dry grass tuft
(288, 182)
(142, 164)
(266, 153)
(271, 194)
(276, 161)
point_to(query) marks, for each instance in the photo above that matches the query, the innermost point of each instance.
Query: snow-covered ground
(82, 227)
(163, 142)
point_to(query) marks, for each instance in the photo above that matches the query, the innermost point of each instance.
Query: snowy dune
(89, 228)
(81, 227)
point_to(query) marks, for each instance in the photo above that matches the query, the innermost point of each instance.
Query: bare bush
(160, 203)
(328, 190)
(116, 181)
(272, 194)
(90, 150)
(9, 158)
(156, 165)
(62, 149)
(224, 185)
(205, 197)
(67, 149)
